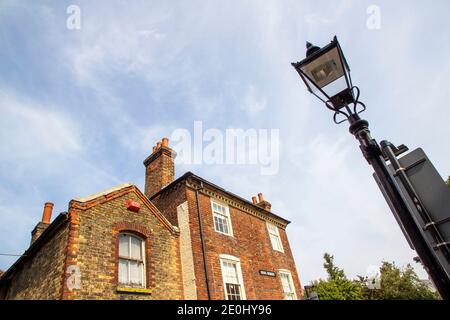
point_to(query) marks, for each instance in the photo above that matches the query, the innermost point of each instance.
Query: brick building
(179, 239)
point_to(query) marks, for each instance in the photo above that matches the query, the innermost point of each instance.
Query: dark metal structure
(326, 74)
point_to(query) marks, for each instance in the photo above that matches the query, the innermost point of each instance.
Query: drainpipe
(202, 238)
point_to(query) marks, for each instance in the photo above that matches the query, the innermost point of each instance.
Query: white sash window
(222, 221)
(232, 278)
(274, 236)
(288, 285)
(131, 260)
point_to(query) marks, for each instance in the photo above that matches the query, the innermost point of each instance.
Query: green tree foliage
(393, 284)
(337, 286)
(448, 181)
(399, 284)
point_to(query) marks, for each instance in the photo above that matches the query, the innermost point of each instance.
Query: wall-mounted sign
(267, 273)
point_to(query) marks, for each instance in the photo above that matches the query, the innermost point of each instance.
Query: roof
(189, 174)
(104, 192)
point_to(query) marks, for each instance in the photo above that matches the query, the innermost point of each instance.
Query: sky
(80, 109)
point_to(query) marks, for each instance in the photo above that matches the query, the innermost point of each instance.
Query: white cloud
(153, 33)
(41, 145)
(28, 130)
(313, 19)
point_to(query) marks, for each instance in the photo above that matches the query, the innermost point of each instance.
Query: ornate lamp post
(326, 74)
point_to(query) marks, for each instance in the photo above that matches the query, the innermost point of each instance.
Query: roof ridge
(104, 192)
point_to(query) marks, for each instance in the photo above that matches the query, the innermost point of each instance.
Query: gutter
(202, 238)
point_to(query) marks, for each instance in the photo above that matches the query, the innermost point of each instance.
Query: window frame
(129, 258)
(291, 283)
(277, 234)
(237, 262)
(227, 216)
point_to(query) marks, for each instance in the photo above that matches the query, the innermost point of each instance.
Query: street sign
(431, 189)
(428, 197)
(267, 273)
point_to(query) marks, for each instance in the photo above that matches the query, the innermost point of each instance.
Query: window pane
(272, 229)
(233, 291)
(218, 208)
(123, 245)
(135, 273)
(221, 224)
(230, 273)
(275, 242)
(123, 271)
(288, 288)
(289, 296)
(280, 245)
(217, 224)
(225, 227)
(136, 247)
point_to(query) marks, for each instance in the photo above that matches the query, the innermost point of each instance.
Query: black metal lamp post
(326, 74)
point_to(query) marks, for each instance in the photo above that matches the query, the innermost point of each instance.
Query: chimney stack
(254, 200)
(44, 223)
(262, 203)
(159, 168)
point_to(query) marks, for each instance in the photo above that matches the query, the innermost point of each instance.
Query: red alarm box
(133, 205)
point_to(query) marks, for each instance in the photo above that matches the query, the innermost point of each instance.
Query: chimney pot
(158, 145)
(154, 148)
(254, 200)
(260, 197)
(47, 214)
(165, 142)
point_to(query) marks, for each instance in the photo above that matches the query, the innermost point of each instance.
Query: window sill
(224, 234)
(134, 290)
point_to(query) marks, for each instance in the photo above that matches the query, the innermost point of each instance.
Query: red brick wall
(250, 243)
(168, 201)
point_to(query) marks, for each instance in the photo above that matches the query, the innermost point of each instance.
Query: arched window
(131, 260)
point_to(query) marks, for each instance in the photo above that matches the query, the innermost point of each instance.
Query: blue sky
(80, 109)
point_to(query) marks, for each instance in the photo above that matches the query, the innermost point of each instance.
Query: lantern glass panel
(324, 71)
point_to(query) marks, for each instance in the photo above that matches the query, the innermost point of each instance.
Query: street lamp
(326, 74)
